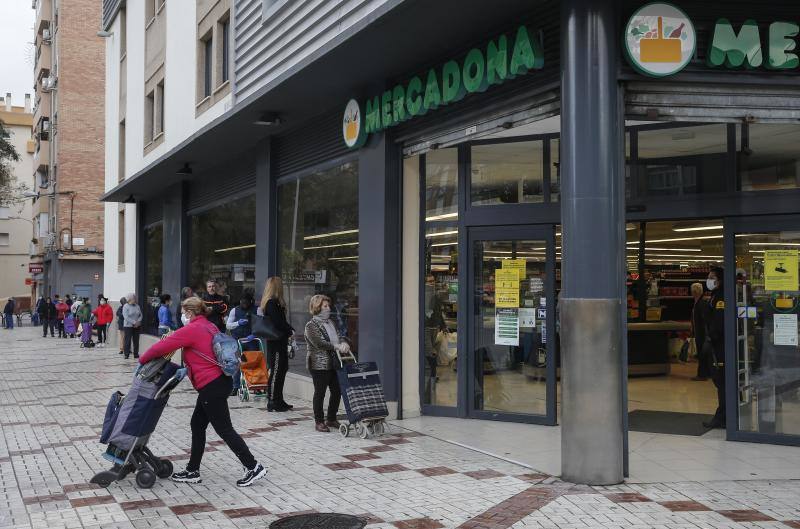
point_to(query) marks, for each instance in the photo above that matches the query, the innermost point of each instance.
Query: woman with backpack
(213, 387)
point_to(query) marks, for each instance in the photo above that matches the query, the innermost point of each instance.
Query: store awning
(394, 42)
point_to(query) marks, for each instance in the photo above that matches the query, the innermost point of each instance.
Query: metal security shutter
(309, 145)
(222, 185)
(712, 102)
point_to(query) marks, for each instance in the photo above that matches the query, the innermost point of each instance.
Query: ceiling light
(773, 244)
(698, 228)
(331, 246)
(268, 119)
(331, 234)
(666, 249)
(676, 239)
(441, 234)
(234, 248)
(442, 217)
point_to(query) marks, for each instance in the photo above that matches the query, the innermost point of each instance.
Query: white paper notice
(506, 327)
(527, 318)
(785, 329)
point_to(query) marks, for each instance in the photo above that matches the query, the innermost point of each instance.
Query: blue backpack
(226, 351)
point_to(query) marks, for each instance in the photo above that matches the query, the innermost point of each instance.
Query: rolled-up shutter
(223, 184)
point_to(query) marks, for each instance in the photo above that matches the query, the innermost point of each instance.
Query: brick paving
(52, 399)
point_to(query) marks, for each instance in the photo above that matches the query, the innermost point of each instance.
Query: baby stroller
(254, 373)
(131, 419)
(86, 335)
(363, 397)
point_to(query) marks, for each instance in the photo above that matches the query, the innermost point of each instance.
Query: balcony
(41, 157)
(44, 14)
(43, 107)
(44, 62)
(41, 205)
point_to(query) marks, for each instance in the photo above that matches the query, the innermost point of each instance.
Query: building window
(507, 173)
(208, 69)
(44, 225)
(121, 241)
(154, 242)
(223, 247)
(767, 156)
(149, 109)
(226, 25)
(318, 248)
(121, 168)
(159, 110)
(4, 239)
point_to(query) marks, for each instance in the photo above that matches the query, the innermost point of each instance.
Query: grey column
(266, 219)
(379, 260)
(592, 210)
(176, 242)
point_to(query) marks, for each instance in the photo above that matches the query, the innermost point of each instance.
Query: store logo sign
(501, 59)
(659, 40)
(734, 49)
(352, 129)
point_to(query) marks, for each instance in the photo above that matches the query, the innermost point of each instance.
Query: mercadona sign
(501, 59)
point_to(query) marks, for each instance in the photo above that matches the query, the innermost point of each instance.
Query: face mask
(184, 319)
(325, 314)
(711, 284)
(102, 302)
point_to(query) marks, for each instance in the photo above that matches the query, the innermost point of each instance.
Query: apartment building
(16, 231)
(69, 129)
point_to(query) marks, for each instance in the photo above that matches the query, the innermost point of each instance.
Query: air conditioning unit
(47, 36)
(48, 83)
(46, 125)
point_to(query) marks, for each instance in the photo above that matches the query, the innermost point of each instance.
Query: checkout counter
(649, 349)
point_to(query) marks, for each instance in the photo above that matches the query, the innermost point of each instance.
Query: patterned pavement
(52, 399)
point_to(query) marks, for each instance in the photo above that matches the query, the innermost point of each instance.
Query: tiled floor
(52, 399)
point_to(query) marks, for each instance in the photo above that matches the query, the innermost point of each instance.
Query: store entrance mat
(669, 422)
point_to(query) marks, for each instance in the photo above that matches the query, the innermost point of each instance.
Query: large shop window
(769, 156)
(223, 247)
(154, 250)
(318, 249)
(507, 173)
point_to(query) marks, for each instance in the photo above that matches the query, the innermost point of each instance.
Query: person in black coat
(273, 307)
(716, 333)
(700, 312)
(216, 303)
(47, 316)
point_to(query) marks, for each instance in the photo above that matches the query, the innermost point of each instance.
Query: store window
(681, 160)
(154, 251)
(223, 247)
(441, 185)
(507, 173)
(768, 156)
(318, 249)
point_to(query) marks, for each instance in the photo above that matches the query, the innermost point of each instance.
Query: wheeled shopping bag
(131, 419)
(254, 372)
(86, 335)
(364, 401)
(70, 326)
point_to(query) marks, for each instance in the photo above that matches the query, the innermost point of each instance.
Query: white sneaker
(251, 476)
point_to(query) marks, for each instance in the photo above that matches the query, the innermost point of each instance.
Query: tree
(10, 190)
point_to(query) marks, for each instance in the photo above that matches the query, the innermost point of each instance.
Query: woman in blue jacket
(165, 323)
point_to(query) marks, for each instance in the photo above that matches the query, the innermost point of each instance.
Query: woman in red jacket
(213, 388)
(103, 315)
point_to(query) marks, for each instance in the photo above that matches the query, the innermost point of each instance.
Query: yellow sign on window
(506, 297)
(781, 270)
(516, 264)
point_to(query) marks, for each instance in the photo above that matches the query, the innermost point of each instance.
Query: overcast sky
(16, 50)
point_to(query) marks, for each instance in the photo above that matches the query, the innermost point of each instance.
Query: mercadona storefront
(459, 171)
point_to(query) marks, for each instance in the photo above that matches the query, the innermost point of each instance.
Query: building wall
(14, 258)
(267, 47)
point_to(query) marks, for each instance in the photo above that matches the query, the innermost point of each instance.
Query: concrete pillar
(176, 243)
(266, 219)
(592, 209)
(379, 260)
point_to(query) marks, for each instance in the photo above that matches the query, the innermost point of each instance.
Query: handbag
(264, 327)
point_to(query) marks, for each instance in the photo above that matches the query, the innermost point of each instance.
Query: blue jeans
(9, 321)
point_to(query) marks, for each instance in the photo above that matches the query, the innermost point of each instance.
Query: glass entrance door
(767, 305)
(511, 315)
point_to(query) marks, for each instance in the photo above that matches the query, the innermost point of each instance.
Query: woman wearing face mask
(213, 387)
(273, 307)
(104, 315)
(165, 324)
(323, 344)
(716, 333)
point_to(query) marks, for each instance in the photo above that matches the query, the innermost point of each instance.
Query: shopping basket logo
(659, 40)
(352, 128)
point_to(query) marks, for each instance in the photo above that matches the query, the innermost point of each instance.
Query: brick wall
(81, 107)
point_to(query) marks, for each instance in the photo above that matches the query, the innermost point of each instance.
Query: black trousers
(278, 364)
(212, 407)
(324, 380)
(718, 376)
(61, 333)
(131, 337)
(48, 324)
(102, 333)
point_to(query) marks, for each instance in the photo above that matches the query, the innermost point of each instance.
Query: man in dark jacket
(700, 312)
(217, 303)
(8, 313)
(47, 317)
(716, 333)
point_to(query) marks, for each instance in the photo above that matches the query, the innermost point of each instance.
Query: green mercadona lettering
(480, 68)
(744, 49)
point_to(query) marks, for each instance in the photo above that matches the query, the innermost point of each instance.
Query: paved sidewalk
(52, 400)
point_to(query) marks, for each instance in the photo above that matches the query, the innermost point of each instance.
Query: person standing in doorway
(132, 316)
(165, 323)
(47, 317)
(62, 309)
(212, 386)
(273, 307)
(121, 325)
(716, 334)
(8, 313)
(239, 324)
(323, 344)
(104, 315)
(699, 318)
(186, 293)
(216, 303)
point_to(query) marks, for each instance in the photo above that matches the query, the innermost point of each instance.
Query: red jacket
(104, 314)
(198, 355)
(61, 309)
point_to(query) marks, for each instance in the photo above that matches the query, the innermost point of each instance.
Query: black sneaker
(187, 476)
(252, 475)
